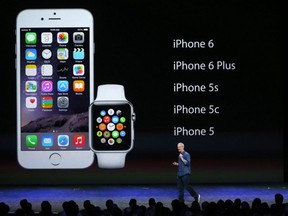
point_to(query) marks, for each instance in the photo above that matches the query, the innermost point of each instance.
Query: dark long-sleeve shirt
(184, 166)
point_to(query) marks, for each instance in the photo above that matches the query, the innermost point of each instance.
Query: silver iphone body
(54, 63)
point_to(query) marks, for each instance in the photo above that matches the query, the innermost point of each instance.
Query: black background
(133, 41)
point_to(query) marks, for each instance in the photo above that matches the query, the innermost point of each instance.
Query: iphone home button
(55, 159)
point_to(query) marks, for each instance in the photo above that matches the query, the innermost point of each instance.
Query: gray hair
(181, 144)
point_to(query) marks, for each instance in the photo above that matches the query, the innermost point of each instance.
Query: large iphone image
(54, 88)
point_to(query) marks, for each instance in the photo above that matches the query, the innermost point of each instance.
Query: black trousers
(183, 184)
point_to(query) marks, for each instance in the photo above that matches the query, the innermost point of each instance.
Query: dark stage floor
(121, 194)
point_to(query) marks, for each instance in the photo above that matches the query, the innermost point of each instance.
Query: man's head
(180, 147)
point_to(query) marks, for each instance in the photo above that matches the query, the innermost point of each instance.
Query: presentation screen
(207, 74)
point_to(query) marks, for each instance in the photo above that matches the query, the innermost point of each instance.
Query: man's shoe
(198, 198)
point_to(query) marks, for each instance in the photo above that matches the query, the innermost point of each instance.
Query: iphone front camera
(42, 18)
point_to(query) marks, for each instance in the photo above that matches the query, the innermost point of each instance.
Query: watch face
(111, 127)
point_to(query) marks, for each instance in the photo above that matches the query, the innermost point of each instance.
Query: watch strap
(111, 160)
(110, 92)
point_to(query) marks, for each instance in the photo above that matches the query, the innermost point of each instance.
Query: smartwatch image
(111, 121)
